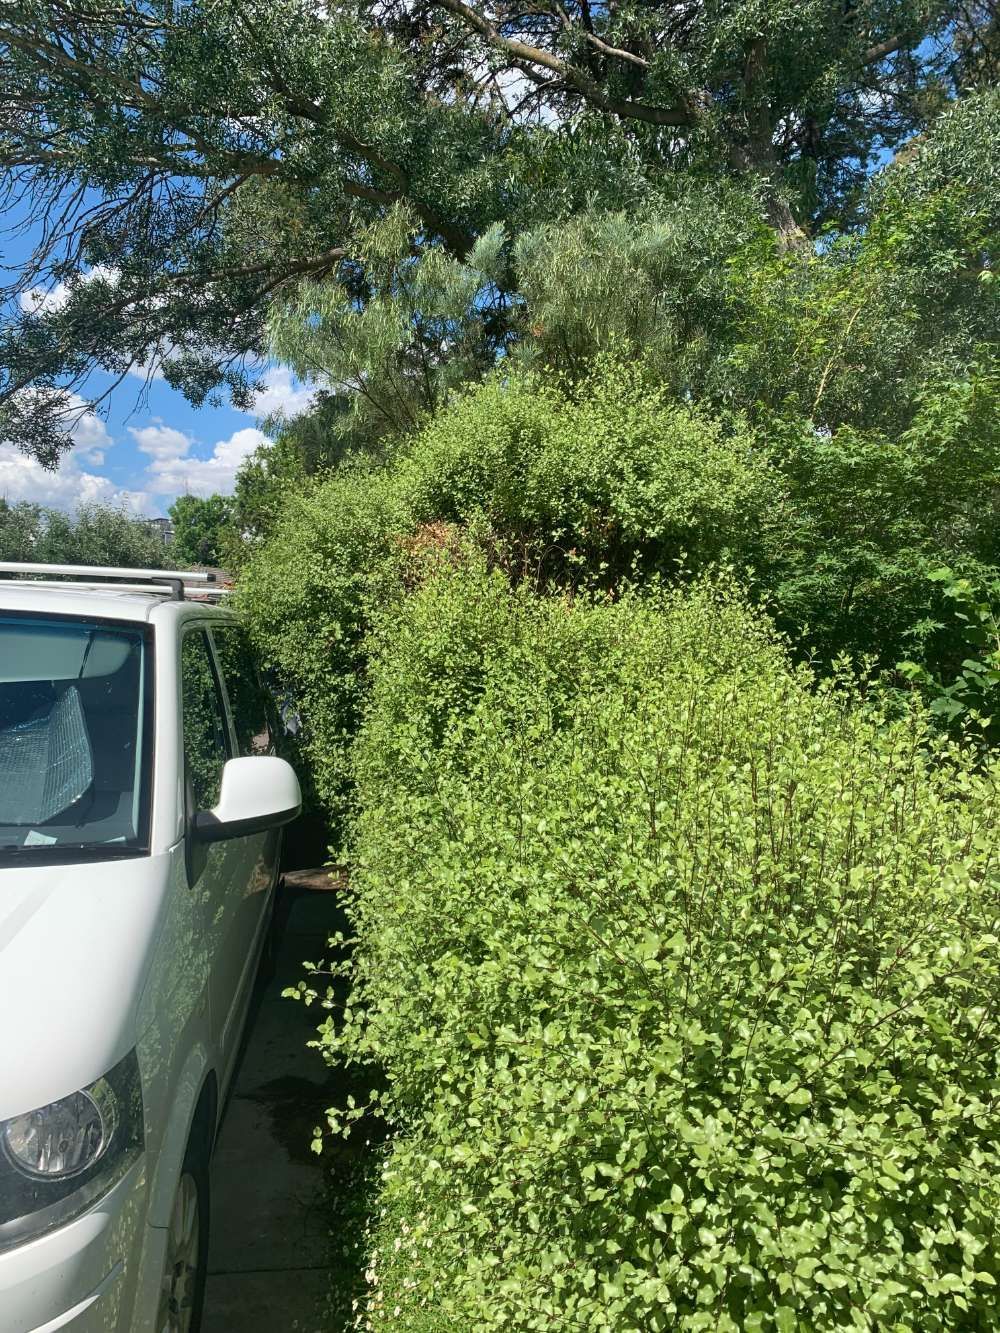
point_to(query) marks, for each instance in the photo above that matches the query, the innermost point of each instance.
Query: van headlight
(56, 1161)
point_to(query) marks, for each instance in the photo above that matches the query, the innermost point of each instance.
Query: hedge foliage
(683, 970)
(559, 485)
(610, 480)
(678, 957)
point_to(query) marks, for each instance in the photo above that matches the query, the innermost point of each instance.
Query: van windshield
(75, 738)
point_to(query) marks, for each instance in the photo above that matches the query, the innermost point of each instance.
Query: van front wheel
(182, 1293)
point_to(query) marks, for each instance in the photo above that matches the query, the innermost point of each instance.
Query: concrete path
(277, 1255)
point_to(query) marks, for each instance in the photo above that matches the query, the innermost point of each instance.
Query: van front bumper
(78, 1277)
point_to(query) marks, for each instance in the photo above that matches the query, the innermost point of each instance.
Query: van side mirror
(258, 793)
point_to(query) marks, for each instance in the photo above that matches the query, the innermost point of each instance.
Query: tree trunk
(790, 235)
(757, 158)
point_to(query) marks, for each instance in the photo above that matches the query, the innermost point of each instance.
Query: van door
(223, 874)
(252, 734)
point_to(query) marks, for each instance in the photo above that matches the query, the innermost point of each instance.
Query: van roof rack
(167, 582)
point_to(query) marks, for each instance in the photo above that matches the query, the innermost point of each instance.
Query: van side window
(206, 746)
(247, 696)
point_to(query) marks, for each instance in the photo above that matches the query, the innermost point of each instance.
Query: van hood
(75, 945)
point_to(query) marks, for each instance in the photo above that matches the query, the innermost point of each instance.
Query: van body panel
(77, 943)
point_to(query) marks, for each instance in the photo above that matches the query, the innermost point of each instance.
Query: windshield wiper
(74, 851)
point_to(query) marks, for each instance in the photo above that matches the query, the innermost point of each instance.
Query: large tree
(189, 161)
(202, 529)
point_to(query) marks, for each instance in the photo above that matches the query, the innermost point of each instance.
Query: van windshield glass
(74, 738)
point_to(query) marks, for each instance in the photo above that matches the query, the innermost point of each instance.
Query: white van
(140, 810)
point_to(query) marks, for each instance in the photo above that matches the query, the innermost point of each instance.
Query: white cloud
(24, 478)
(281, 395)
(90, 435)
(174, 472)
(44, 301)
(72, 483)
(88, 432)
(147, 371)
(161, 442)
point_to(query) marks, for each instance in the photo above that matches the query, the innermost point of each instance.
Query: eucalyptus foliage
(851, 331)
(856, 330)
(427, 326)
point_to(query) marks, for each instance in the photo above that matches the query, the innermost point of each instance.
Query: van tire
(185, 1266)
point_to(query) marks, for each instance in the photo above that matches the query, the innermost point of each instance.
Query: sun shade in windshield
(47, 763)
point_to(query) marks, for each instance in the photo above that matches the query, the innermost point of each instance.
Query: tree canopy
(200, 169)
(201, 528)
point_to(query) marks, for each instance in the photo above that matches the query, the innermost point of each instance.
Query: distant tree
(264, 480)
(202, 529)
(93, 535)
(20, 527)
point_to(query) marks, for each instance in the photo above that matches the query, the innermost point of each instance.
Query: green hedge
(557, 486)
(679, 962)
(608, 482)
(683, 972)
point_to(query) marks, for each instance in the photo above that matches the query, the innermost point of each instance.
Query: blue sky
(149, 444)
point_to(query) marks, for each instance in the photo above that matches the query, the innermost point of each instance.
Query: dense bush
(868, 518)
(678, 959)
(556, 484)
(683, 972)
(839, 534)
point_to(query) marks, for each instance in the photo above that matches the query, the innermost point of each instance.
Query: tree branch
(616, 52)
(893, 44)
(882, 49)
(95, 78)
(574, 77)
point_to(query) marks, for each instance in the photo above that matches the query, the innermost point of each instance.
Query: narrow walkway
(273, 1256)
